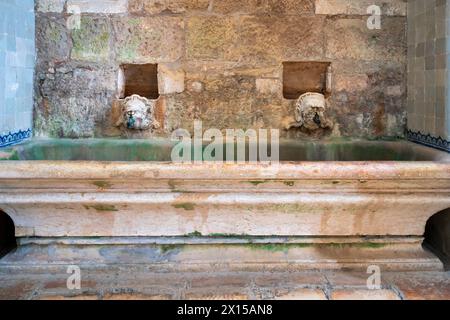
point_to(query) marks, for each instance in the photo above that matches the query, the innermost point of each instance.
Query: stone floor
(169, 272)
(134, 282)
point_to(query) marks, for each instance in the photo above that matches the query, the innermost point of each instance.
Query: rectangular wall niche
(141, 79)
(302, 77)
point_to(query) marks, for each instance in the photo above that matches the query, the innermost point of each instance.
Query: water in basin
(159, 150)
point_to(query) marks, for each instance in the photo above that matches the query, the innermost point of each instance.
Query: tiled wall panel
(17, 60)
(429, 72)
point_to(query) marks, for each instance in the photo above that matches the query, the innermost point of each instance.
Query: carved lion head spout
(138, 113)
(310, 112)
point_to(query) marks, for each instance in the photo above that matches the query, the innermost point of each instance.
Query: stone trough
(326, 204)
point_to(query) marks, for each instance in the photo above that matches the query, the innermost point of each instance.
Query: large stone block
(350, 38)
(265, 40)
(91, 40)
(99, 6)
(277, 7)
(237, 6)
(159, 6)
(50, 5)
(170, 79)
(52, 39)
(75, 101)
(148, 39)
(210, 37)
(291, 7)
(360, 7)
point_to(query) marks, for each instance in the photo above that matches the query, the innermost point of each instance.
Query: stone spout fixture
(310, 112)
(137, 113)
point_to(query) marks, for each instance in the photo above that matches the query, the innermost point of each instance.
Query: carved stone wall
(218, 61)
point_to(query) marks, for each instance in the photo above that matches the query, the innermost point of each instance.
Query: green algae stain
(10, 156)
(102, 207)
(371, 245)
(91, 41)
(129, 51)
(166, 248)
(229, 235)
(361, 245)
(278, 247)
(194, 234)
(102, 184)
(188, 206)
(134, 22)
(257, 182)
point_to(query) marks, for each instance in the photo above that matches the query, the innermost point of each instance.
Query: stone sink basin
(372, 195)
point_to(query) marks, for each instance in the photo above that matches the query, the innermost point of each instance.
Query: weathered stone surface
(216, 296)
(53, 40)
(173, 6)
(228, 57)
(135, 296)
(91, 41)
(300, 294)
(14, 290)
(360, 7)
(266, 40)
(291, 7)
(99, 6)
(24, 282)
(350, 39)
(360, 294)
(273, 7)
(148, 39)
(50, 5)
(268, 86)
(421, 285)
(170, 78)
(65, 110)
(352, 82)
(68, 297)
(209, 37)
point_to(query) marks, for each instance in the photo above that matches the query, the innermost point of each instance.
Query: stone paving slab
(104, 283)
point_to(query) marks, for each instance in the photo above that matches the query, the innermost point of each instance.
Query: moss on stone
(9, 155)
(129, 51)
(91, 40)
(102, 184)
(257, 182)
(101, 207)
(188, 206)
(194, 234)
(229, 235)
(165, 248)
(278, 247)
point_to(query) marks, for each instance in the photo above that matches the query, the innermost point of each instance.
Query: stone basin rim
(368, 170)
